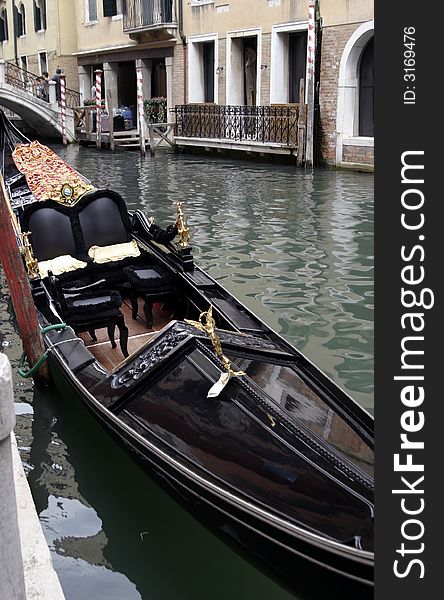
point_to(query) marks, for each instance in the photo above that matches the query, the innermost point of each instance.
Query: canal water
(297, 249)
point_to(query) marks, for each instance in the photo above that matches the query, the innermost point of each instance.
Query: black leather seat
(87, 309)
(151, 283)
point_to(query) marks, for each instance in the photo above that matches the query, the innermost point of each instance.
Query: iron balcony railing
(141, 14)
(264, 124)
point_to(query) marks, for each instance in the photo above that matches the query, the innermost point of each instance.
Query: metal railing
(29, 82)
(139, 14)
(264, 124)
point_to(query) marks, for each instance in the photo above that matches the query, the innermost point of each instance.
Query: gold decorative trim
(182, 230)
(207, 325)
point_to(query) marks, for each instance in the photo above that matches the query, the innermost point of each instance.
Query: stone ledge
(41, 581)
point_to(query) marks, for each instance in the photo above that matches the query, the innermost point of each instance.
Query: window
(297, 61)
(20, 20)
(288, 61)
(3, 25)
(43, 62)
(366, 91)
(208, 65)
(109, 8)
(202, 71)
(39, 15)
(243, 67)
(90, 10)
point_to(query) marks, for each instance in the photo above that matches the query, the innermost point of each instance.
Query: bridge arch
(42, 116)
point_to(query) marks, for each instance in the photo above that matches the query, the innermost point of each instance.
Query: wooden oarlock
(19, 288)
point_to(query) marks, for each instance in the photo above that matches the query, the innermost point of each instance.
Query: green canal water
(297, 249)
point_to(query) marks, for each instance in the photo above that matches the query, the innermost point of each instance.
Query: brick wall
(358, 154)
(265, 73)
(222, 76)
(334, 40)
(179, 76)
(68, 64)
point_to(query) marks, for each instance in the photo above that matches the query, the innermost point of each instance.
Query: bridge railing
(29, 82)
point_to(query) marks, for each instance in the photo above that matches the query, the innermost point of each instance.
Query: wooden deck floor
(139, 335)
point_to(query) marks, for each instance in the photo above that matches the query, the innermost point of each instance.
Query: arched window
(21, 20)
(3, 25)
(39, 15)
(366, 90)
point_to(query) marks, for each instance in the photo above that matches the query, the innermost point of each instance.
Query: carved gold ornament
(207, 325)
(32, 266)
(182, 230)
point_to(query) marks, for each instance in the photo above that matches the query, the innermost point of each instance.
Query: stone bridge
(18, 93)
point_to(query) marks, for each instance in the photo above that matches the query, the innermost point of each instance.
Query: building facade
(38, 36)
(119, 36)
(254, 54)
(346, 83)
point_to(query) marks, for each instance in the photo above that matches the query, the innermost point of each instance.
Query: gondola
(230, 418)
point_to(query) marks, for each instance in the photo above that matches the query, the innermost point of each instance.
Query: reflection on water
(297, 250)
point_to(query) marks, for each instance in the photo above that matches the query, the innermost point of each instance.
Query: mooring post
(302, 117)
(109, 98)
(311, 58)
(20, 290)
(140, 115)
(63, 108)
(99, 108)
(12, 581)
(152, 145)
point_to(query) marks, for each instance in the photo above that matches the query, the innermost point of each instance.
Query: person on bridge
(40, 90)
(56, 78)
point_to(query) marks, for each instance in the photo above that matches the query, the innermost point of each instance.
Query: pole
(98, 108)
(12, 582)
(301, 124)
(311, 45)
(140, 116)
(20, 290)
(63, 108)
(109, 97)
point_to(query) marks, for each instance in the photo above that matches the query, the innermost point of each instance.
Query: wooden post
(140, 115)
(98, 108)
(302, 117)
(63, 108)
(151, 133)
(20, 290)
(109, 98)
(311, 57)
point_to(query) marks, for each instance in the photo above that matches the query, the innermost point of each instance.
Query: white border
(275, 31)
(348, 90)
(199, 39)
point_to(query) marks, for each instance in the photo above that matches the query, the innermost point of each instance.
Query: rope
(38, 364)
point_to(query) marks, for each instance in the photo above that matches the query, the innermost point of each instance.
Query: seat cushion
(60, 264)
(115, 252)
(153, 279)
(93, 304)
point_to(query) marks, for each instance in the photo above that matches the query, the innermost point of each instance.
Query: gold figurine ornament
(182, 230)
(207, 325)
(32, 265)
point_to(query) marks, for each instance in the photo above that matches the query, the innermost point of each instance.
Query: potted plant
(155, 110)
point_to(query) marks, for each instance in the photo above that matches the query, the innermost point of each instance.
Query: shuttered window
(39, 15)
(109, 8)
(3, 25)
